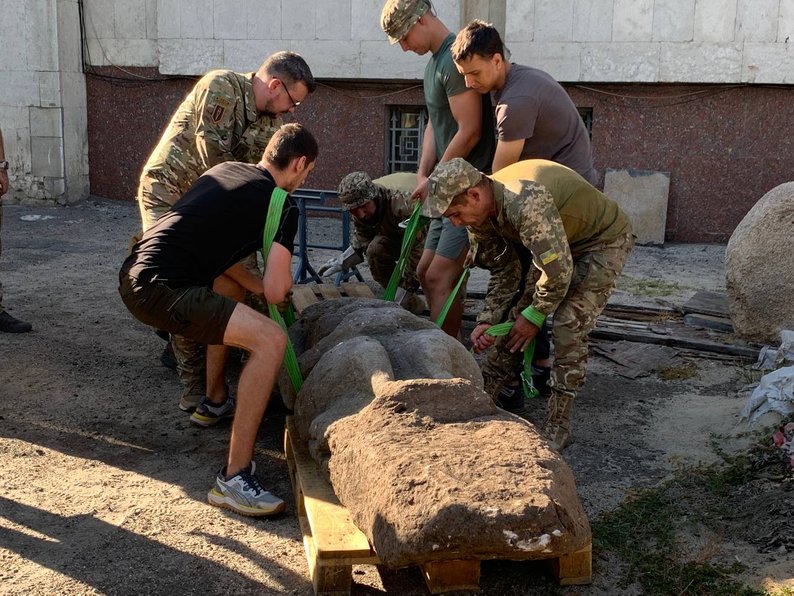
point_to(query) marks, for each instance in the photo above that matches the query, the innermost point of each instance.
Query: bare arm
(244, 278)
(277, 280)
(466, 108)
(507, 153)
(426, 163)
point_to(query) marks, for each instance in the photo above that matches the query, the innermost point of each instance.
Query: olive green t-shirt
(442, 81)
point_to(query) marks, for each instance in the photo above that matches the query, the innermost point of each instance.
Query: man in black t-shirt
(184, 276)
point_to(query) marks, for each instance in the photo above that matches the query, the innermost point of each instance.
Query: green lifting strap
(415, 223)
(442, 316)
(502, 329)
(277, 199)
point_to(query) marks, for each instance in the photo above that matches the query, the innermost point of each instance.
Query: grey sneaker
(208, 414)
(244, 494)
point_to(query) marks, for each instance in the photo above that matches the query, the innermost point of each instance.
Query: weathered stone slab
(643, 196)
(759, 269)
(394, 412)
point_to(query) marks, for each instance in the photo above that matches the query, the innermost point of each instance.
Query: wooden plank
(708, 303)
(302, 296)
(357, 290)
(671, 340)
(574, 569)
(328, 292)
(335, 537)
(451, 576)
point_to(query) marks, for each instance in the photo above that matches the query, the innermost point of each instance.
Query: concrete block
(45, 122)
(75, 142)
(560, 60)
(674, 20)
(190, 56)
(592, 20)
(169, 20)
(129, 52)
(54, 188)
(229, 22)
(553, 20)
(19, 88)
(642, 194)
(46, 156)
(196, 19)
(264, 19)
(715, 21)
(298, 19)
(620, 62)
(151, 19)
(757, 20)
(379, 60)
(73, 94)
(700, 63)
(520, 22)
(13, 42)
(247, 55)
(333, 20)
(448, 11)
(130, 19)
(633, 20)
(365, 20)
(69, 48)
(50, 90)
(332, 58)
(99, 18)
(785, 27)
(767, 63)
(41, 35)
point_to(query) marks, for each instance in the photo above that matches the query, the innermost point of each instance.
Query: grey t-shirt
(535, 107)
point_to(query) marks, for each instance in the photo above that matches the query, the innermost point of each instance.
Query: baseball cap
(356, 189)
(398, 16)
(447, 181)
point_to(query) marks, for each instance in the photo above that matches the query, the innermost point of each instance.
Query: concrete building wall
(642, 66)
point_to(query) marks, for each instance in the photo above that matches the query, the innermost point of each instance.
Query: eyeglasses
(295, 104)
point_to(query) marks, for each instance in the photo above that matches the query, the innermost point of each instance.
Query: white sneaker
(244, 494)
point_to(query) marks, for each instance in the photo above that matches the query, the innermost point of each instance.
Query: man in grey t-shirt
(535, 117)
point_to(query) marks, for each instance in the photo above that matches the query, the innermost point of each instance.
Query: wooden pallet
(334, 544)
(304, 295)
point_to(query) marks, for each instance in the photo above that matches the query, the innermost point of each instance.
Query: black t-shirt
(217, 222)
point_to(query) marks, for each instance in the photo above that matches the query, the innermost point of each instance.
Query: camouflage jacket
(391, 207)
(218, 121)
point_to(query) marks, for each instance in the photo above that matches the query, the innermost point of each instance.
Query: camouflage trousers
(383, 253)
(593, 280)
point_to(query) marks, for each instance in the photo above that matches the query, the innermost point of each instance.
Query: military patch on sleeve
(548, 256)
(219, 110)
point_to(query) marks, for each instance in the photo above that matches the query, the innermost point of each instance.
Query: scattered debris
(36, 217)
(784, 438)
(638, 359)
(775, 393)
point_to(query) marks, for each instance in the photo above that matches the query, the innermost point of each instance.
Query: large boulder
(759, 268)
(394, 412)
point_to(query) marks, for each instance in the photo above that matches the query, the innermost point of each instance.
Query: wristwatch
(3, 164)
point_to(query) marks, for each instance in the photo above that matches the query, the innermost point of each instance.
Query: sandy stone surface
(104, 481)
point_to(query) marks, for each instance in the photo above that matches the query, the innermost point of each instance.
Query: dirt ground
(104, 480)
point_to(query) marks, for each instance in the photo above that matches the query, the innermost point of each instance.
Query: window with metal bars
(404, 142)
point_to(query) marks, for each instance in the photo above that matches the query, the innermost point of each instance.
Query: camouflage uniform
(381, 236)
(556, 245)
(218, 121)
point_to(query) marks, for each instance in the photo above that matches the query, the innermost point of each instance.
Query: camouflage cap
(398, 16)
(355, 190)
(447, 181)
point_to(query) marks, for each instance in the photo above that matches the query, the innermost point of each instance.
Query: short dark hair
(478, 37)
(291, 68)
(290, 141)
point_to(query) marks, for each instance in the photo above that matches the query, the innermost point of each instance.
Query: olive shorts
(195, 312)
(445, 239)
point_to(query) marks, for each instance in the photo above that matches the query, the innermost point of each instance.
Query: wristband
(533, 316)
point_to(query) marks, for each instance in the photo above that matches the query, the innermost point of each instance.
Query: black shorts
(195, 312)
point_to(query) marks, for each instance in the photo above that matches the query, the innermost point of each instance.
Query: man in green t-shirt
(460, 124)
(555, 246)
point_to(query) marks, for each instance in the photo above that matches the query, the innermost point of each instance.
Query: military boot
(557, 424)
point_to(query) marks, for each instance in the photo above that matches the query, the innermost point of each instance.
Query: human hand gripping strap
(415, 223)
(277, 198)
(502, 329)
